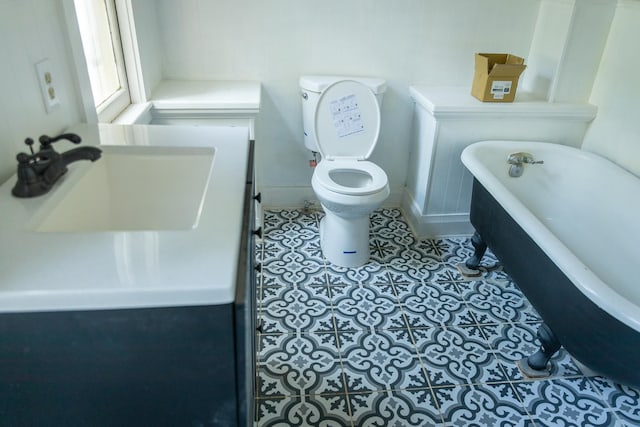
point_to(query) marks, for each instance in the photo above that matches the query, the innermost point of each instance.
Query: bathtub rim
(580, 275)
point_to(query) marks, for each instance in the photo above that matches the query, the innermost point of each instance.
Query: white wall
(148, 35)
(31, 30)
(615, 133)
(276, 41)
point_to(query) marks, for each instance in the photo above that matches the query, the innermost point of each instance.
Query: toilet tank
(312, 86)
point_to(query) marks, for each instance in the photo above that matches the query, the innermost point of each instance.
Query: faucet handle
(29, 143)
(45, 140)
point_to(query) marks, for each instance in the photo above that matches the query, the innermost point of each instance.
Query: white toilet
(341, 118)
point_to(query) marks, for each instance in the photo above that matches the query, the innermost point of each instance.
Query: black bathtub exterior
(589, 333)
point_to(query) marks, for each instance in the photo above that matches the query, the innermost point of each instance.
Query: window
(98, 25)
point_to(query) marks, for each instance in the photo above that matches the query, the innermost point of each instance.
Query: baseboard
(434, 225)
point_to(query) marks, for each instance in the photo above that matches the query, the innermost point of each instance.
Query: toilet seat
(347, 121)
(351, 177)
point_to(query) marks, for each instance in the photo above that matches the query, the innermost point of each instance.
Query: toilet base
(345, 242)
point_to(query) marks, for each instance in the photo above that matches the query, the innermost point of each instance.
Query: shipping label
(500, 88)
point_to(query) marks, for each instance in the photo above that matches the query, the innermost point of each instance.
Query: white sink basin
(130, 188)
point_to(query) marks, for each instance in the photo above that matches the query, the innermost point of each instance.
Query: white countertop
(457, 102)
(129, 269)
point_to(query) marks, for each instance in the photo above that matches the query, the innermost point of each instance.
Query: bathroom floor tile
(433, 304)
(436, 249)
(566, 402)
(297, 308)
(492, 302)
(624, 400)
(272, 221)
(387, 219)
(298, 364)
(411, 266)
(272, 251)
(398, 236)
(311, 249)
(482, 405)
(293, 268)
(370, 273)
(406, 339)
(306, 410)
(383, 249)
(380, 360)
(457, 355)
(394, 408)
(366, 307)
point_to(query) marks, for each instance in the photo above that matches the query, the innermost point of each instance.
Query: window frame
(126, 51)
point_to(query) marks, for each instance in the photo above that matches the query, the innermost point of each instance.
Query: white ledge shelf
(198, 102)
(457, 103)
(207, 95)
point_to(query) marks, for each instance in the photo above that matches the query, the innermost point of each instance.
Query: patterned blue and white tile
(436, 249)
(371, 273)
(565, 402)
(387, 219)
(482, 405)
(514, 341)
(293, 268)
(394, 408)
(366, 307)
(290, 234)
(312, 249)
(299, 364)
(304, 411)
(272, 220)
(452, 249)
(398, 235)
(623, 399)
(272, 251)
(457, 355)
(380, 360)
(383, 250)
(492, 302)
(433, 304)
(411, 265)
(297, 308)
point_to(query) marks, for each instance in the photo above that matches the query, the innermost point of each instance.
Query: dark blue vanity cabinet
(170, 366)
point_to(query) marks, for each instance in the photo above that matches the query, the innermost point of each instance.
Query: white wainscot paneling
(446, 120)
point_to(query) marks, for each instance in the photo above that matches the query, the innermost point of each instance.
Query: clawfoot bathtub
(566, 231)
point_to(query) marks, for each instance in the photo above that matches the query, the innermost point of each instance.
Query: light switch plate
(50, 95)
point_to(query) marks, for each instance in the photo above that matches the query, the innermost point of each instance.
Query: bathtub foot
(470, 268)
(537, 365)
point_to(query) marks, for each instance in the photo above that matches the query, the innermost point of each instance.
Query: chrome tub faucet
(518, 160)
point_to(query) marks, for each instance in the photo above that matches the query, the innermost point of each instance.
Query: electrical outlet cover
(50, 95)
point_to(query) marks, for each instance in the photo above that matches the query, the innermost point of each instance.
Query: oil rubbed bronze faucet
(37, 172)
(517, 161)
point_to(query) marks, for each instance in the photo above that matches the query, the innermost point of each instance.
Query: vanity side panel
(159, 366)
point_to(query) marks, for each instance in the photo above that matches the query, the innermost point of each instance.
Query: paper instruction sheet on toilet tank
(346, 116)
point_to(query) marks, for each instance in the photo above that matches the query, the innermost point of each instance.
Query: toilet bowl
(346, 125)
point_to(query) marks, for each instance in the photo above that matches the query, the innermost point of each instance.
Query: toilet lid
(347, 121)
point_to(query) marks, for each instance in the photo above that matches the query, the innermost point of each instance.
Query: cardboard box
(496, 76)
